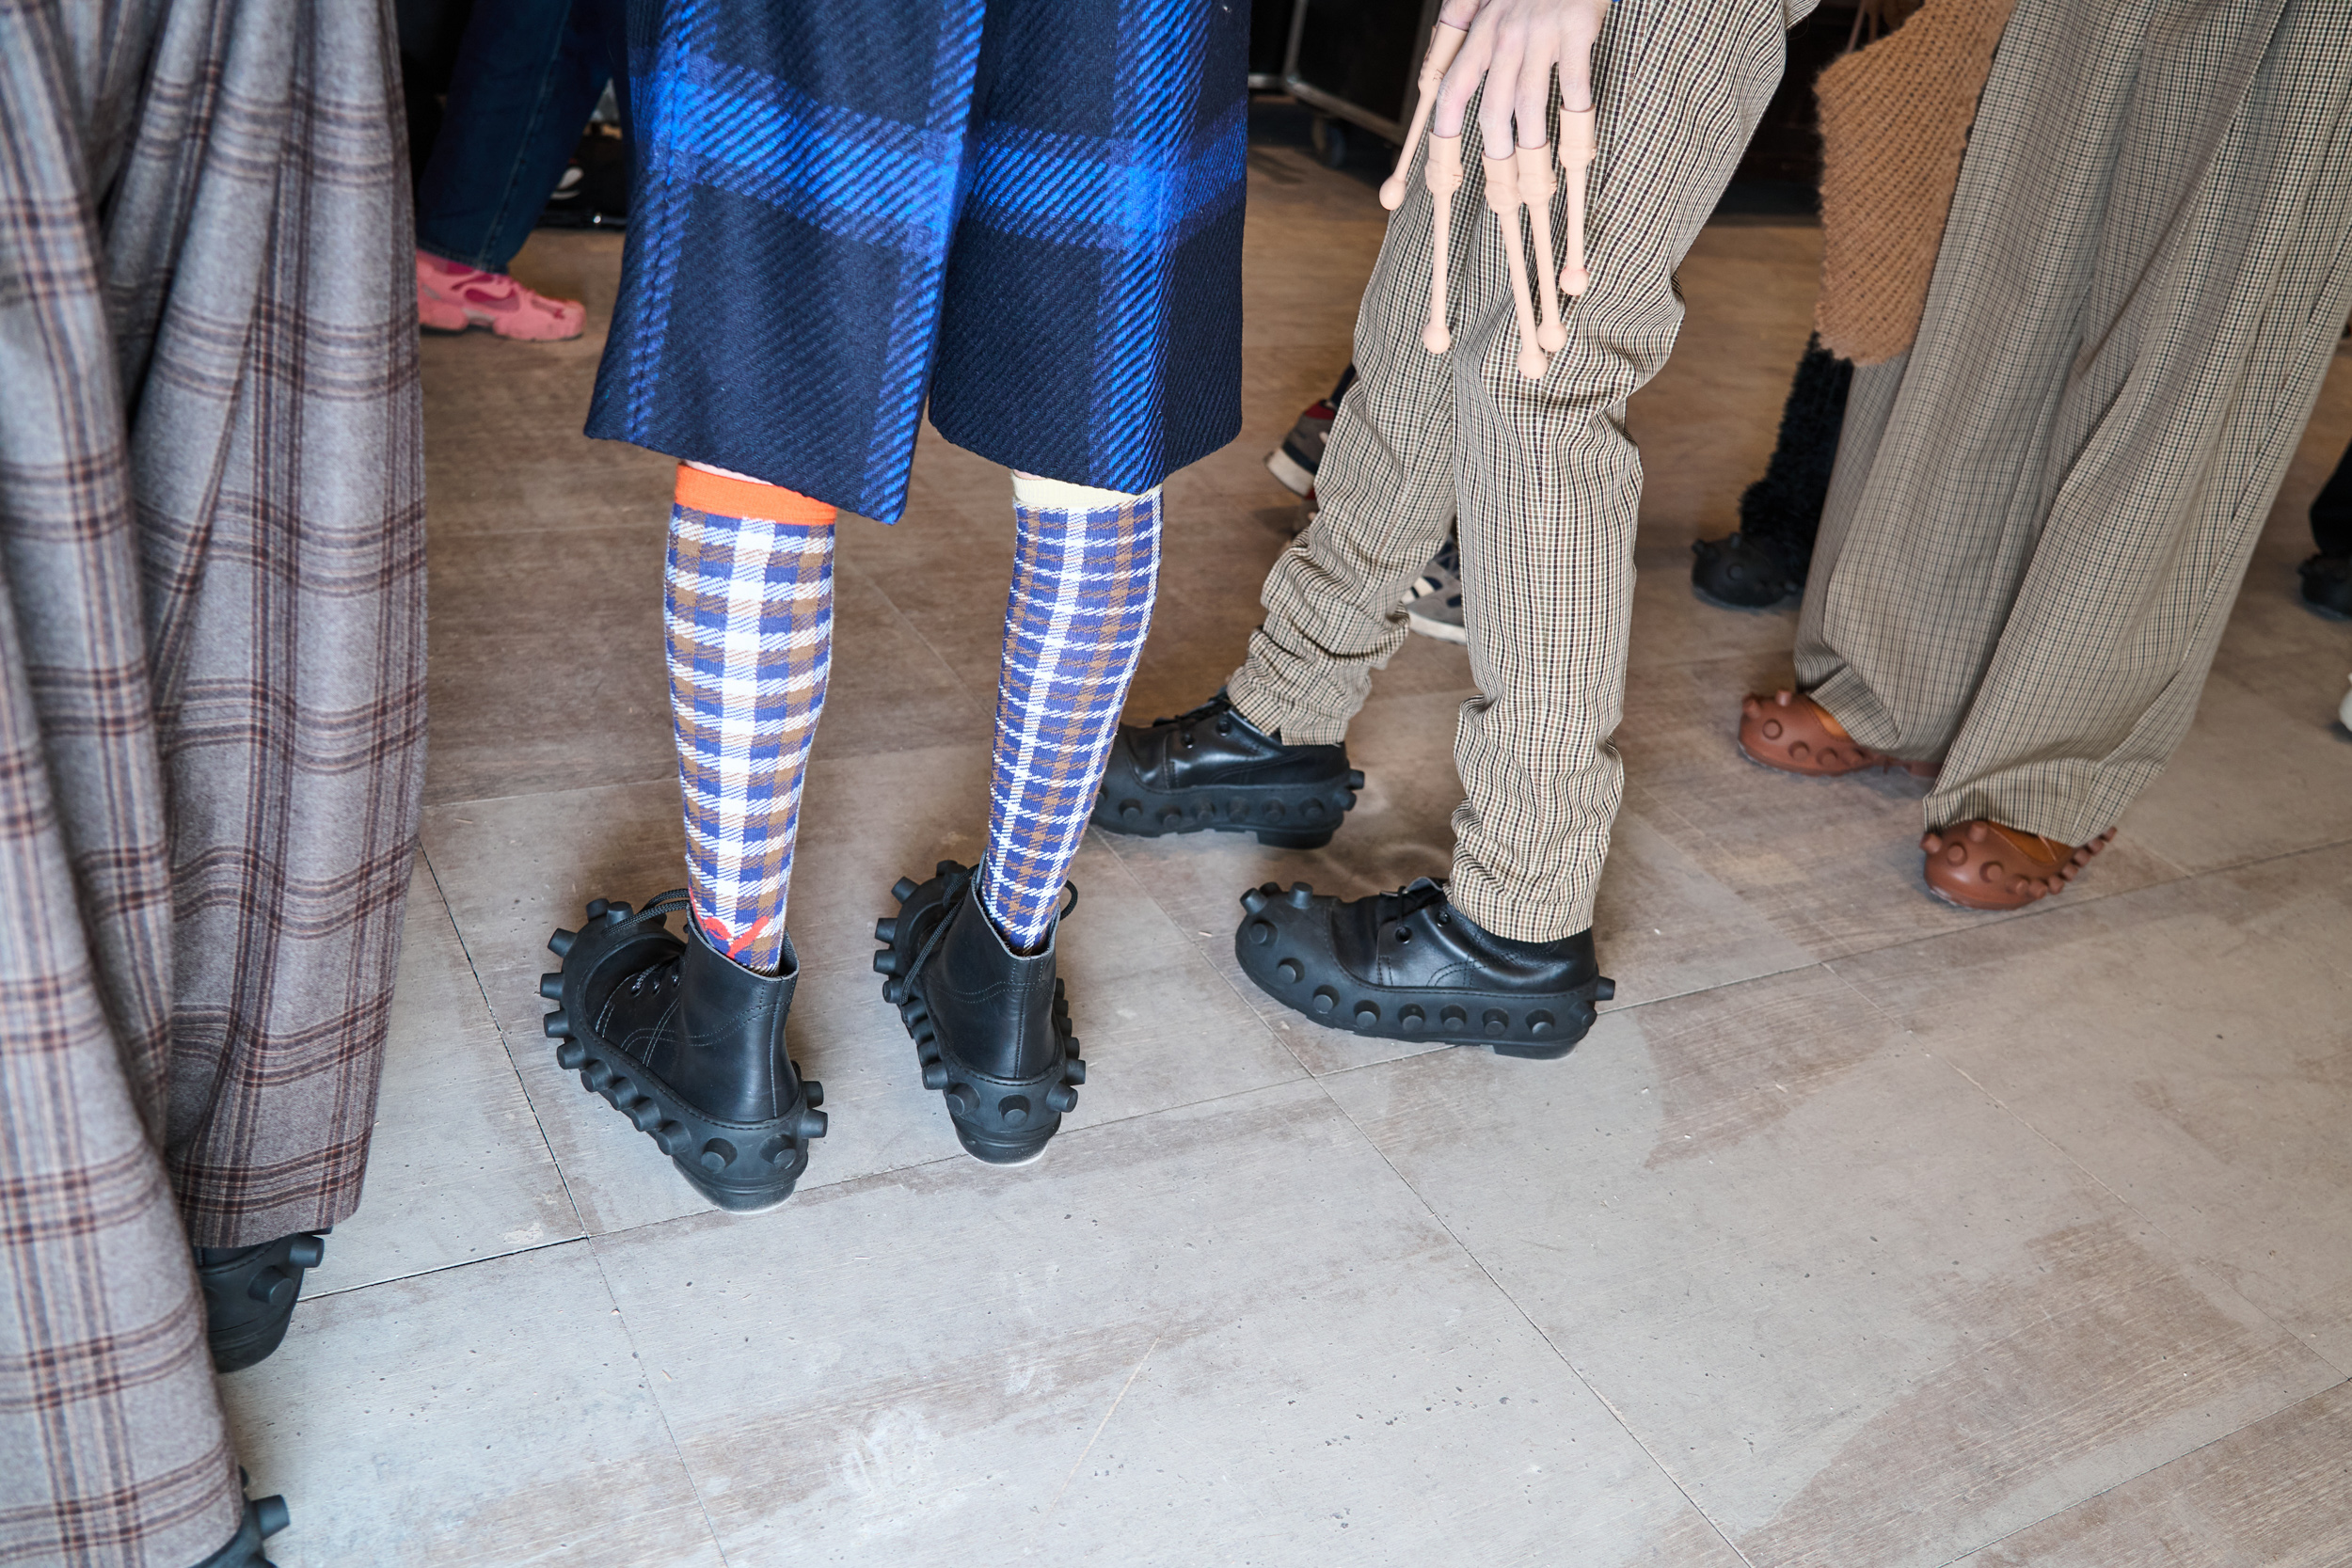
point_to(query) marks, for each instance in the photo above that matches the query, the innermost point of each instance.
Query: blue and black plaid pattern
(1029, 212)
(749, 609)
(1074, 625)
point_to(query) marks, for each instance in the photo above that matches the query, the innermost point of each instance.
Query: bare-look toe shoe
(1983, 865)
(1792, 732)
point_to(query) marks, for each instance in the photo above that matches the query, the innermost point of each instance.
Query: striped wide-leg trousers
(1540, 477)
(2041, 513)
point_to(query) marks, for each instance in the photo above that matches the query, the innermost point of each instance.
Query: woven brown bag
(1895, 121)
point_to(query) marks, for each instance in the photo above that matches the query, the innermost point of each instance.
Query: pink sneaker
(451, 298)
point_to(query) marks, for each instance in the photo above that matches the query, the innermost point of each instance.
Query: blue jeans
(529, 74)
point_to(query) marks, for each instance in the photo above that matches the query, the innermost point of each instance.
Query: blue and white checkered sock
(749, 614)
(1083, 574)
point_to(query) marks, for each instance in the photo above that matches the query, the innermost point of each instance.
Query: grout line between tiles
(439, 1269)
(449, 911)
(2046, 908)
(645, 1375)
(949, 1157)
(1606, 1402)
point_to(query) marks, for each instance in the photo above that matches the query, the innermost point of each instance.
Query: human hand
(1514, 45)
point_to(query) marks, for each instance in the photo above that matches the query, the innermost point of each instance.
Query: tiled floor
(1861, 1232)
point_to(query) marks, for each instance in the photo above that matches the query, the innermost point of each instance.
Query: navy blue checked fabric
(1028, 211)
(1075, 620)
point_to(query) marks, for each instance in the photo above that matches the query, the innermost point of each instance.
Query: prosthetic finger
(1578, 145)
(1536, 186)
(1443, 174)
(1502, 195)
(1444, 43)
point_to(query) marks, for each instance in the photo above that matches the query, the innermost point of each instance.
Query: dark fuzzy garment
(1783, 508)
(2331, 511)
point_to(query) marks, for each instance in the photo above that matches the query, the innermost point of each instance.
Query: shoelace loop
(949, 899)
(1415, 897)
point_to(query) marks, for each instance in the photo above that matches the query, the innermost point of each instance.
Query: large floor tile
(2189, 1046)
(2257, 775)
(1223, 1334)
(457, 1170)
(490, 1414)
(1860, 1312)
(547, 669)
(2275, 1495)
(548, 666)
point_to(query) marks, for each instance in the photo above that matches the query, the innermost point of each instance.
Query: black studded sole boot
(249, 1294)
(263, 1517)
(1211, 770)
(688, 1045)
(1408, 966)
(991, 1026)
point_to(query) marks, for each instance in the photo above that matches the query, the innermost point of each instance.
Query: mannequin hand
(1514, 44)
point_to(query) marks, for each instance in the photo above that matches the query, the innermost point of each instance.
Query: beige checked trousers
(1539, 477)
(2042, 514)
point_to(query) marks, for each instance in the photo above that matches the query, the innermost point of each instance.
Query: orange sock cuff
(724, 496)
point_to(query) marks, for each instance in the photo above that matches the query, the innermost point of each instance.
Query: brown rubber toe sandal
(1792, 732)
(1983, 865)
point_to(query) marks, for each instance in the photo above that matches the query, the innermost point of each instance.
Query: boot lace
(1409, 900)
(950, 897)
(1219, 707)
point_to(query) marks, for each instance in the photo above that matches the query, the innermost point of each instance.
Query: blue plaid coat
(1028, 211)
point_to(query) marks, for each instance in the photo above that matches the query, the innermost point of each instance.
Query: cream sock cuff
(1039, 494)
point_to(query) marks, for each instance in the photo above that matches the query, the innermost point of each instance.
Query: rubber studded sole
(1000, 1121)
(739, 1166)
(249, 1301)
(1286, 817)
(1274, 954)
(1718, 602)
(1891, 765)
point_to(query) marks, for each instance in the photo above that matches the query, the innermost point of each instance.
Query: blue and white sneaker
(1433, 606)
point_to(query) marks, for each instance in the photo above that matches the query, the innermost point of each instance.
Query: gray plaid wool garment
(211, 709)
(2042, 514)
(1540, 476)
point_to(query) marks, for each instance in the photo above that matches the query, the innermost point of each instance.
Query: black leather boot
(1741, 573)
(1410, 966)
(263, 1518)
(991, 1026)
(249, 1294)
(2328, 585)
(1213, 770)
(688, 1045)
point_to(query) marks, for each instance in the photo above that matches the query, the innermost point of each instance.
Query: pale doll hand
(1514, 44)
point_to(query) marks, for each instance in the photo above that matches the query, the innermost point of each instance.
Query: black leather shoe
(688, 1045)
(1213, 770)
(1741, 573)
(991, 1026)
(263, 1518)
(2328, 585)
(1410, 966)
(249, 1294)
